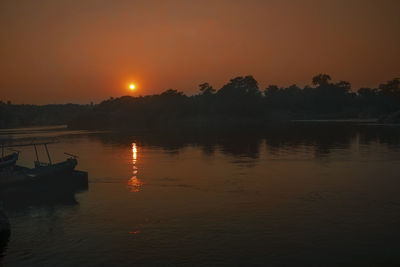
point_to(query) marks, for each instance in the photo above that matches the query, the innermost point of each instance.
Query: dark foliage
(240, 102)
(33, 115)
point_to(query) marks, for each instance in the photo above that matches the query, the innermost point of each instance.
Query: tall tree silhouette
(391, 88)
(240, 86)
(271, 90)
(206, 89)
(321, 79)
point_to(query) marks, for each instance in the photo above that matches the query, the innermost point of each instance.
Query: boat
(9, 160)
(43, 172)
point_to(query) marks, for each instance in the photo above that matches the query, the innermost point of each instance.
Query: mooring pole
(37, 155)
(48, 155)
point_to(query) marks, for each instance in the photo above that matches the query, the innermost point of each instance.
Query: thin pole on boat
(37, 155)
(48, 155)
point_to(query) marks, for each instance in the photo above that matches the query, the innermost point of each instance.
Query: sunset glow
(230, 132)
(184, 43)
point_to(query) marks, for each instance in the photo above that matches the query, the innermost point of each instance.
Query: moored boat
(38, 174)
(42, 172)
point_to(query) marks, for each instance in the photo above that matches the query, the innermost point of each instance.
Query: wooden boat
(42, 172)
(8, 161)
(38, 174)
(23, 175)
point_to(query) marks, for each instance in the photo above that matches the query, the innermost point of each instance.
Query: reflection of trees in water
(208, 149)
(388, 135)
(319, 137)
(243, 144)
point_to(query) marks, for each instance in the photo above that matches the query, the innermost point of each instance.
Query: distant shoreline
(239, 103)
(354, 120)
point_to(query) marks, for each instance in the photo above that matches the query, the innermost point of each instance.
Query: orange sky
(81, 51)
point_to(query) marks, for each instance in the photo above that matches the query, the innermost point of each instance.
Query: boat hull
(22, 175)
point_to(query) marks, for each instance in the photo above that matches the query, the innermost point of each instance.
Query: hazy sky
(88, 50)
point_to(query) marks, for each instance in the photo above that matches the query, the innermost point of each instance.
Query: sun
(131, 86)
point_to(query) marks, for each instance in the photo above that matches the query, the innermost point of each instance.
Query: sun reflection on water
(134, 184)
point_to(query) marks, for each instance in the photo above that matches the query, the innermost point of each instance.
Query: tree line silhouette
(34, 115)
(241, 102)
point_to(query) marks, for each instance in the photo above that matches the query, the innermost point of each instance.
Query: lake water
(322, 195)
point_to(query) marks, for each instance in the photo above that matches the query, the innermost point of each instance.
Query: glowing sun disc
(131, 86)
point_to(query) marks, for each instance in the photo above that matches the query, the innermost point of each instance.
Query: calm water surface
(295, 196)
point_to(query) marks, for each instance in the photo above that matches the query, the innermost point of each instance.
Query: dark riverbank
(240, 103)
(14, 116)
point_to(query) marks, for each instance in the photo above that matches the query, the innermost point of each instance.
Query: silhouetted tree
(206, 89)
(391, 88)
(367, 92)
(240, 86)
(240, 100)
(343, 87)
(271, 90)
(172, 93)
(321, 79)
